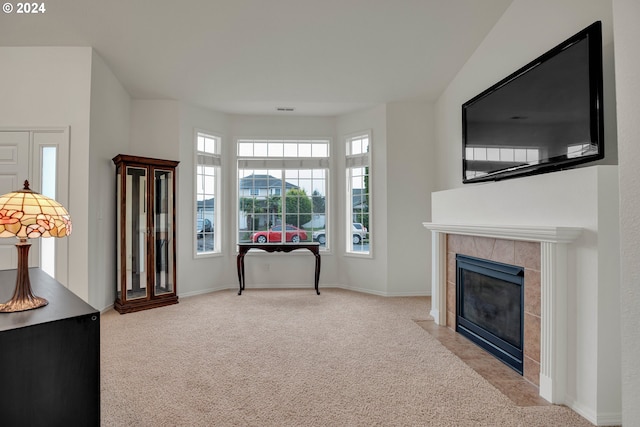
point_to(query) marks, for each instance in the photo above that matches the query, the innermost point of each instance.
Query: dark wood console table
(243, 248)
(50, 358)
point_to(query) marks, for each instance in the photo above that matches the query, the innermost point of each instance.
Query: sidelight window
(358, 218)
(207, 209)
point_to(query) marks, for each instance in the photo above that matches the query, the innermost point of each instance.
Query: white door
(42, 157)
(14, 169)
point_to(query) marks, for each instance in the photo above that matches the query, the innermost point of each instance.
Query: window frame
(352, 161)
(218, 213)
(262, 159)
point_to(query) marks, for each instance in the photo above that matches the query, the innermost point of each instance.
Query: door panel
(14, 169)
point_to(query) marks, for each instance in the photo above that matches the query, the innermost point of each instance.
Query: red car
(294, 234)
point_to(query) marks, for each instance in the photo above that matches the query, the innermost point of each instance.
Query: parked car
(359, 234)
(361, 231)
(202, 226)
(319, 236)
(274, 234)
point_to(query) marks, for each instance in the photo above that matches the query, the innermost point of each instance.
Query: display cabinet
(146, 247)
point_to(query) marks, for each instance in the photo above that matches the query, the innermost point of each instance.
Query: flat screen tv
(546, 116)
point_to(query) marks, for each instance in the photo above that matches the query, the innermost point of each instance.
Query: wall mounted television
(544, 117)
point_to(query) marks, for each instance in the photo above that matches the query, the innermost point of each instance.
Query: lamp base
(15, 305)
(23, 299)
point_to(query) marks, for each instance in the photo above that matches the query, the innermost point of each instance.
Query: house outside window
(358, 215)
(207, 185)
(282, 181)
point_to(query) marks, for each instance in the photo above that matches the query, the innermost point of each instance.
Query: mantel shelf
(550, 234)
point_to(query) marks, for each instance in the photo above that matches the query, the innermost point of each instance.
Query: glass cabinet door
(163, 227)
(136, 232)
(146, 233)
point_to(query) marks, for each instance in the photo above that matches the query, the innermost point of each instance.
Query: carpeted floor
(292, 358)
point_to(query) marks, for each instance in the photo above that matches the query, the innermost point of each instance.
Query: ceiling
(320, 57)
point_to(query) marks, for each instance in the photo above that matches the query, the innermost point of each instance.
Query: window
(283, 182)
(207, 211)
(358, 165)
(48, 160)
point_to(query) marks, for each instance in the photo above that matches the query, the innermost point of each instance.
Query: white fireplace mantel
(512, 232)
(553, 271)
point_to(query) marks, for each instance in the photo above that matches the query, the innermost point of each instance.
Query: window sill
(361, 255)
(208, 255)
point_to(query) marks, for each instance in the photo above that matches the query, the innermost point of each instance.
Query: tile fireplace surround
(512, 252)
(515, 245)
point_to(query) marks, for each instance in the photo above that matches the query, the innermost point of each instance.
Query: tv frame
(593, 35)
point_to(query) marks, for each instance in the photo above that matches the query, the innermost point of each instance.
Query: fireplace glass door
(490, 307)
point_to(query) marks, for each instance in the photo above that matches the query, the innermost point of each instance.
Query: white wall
(155, 129)
(627, 33)
(525, 31)
(109, 136)
(50, 86)
(410, 169)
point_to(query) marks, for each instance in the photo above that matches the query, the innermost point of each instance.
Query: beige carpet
(292, 358)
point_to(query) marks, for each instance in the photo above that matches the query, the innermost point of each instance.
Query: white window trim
(219, 213)
(245, 162)
(357, 160)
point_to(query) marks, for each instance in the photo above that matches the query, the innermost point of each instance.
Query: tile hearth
(506, 380)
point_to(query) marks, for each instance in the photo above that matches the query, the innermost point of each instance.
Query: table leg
(317, 275)
(240, 266)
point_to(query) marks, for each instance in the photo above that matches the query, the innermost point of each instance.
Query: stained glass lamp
(26, 214)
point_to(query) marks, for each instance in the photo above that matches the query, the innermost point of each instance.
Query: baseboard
(597, 419)
(107, 308)
(203, 292)
(298, 286)
(610, 419)
(361, 290)
(253, 286)
(383, 294)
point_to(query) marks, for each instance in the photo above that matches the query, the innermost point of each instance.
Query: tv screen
(545, 116)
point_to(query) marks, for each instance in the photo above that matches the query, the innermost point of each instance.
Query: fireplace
(490, 307)
(571, 322)
(543, 251)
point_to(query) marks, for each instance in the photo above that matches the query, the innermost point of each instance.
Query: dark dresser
(49, 358)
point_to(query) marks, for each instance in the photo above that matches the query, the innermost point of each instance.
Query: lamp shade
(27, 214)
